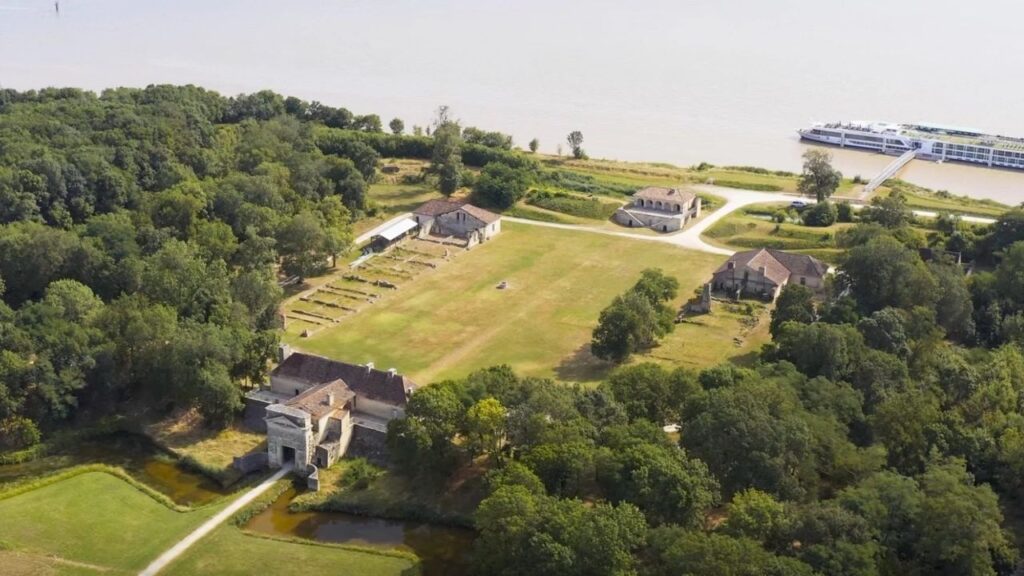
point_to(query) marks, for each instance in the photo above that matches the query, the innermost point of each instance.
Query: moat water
(680, 81)
(442, 550)
(138, 455)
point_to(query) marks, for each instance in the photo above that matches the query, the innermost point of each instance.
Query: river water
(678, 81)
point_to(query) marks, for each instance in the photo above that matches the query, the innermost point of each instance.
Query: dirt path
(171, 554)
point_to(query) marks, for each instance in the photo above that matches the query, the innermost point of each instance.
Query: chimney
(330, 398)
(369, 367)
(392, 372)
(283, 352)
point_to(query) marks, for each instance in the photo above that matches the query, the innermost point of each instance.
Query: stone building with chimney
(313, 407)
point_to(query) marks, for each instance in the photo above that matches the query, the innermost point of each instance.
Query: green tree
(883, 272)
(446, 160)
(500, 186)
(794, 304)
(302, 244)
(534, 145)
(677, 552)
(756, 515)
(397, 126)
(890, 211)
(485, 426)
(575, 140)
(819, 178)
(667, 486)
(822, 214)
(959, 524)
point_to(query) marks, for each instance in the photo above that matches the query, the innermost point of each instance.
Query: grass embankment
(920, 198)
(94, 517)
(210, 452)
(751, 227)
(98, 519)
(396, 497)
(648, 174)
(231, 551)
(452, 320)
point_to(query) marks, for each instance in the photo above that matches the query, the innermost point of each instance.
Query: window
(803, 281)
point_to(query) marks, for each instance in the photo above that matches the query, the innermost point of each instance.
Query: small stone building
(661, 209)
(457, 218)
(314, 406)
(765, 271)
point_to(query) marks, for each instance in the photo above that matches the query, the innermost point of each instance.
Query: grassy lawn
(925, 199)
(228, 550)
(751, 228)
(448, 322)
(93, 518)
(688, 346)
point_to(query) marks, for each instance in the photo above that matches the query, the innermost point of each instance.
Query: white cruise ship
(931, 142)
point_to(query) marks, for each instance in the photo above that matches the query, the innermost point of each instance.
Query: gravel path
(169, 556)
(690, 237)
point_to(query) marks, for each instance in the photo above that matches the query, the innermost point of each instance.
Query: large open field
(97, 523)
(452, 320)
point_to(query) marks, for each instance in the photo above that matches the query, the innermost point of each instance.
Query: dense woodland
(143, 233)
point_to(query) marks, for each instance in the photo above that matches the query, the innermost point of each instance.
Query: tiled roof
(778, 265)
(664, 194)
(485, 216)
(362, 380)
(438, 207)
(435, 208)
(315, 400)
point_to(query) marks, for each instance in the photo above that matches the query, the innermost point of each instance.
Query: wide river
(680, 81)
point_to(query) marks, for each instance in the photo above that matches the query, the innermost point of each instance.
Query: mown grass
(449, 322)
(94, 518)
(751, 227)
(230, 551)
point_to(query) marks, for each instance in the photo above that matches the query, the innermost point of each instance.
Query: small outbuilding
(392, 234)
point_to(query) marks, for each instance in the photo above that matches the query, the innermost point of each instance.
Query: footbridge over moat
(890, 171)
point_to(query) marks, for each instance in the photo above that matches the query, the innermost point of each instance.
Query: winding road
(690, 238)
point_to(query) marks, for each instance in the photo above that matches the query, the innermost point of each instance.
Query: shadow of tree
(583, 366)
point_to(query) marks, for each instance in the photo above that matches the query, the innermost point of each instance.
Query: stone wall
(369, 444)
(251, 462)
(254, 414)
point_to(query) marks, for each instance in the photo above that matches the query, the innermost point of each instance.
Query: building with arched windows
(661, 209)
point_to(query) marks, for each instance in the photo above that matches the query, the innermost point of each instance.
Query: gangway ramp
(890, 171)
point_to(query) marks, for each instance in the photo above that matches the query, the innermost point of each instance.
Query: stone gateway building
(459, 219)
(661, 209)
(764, 272)
(314, 407)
